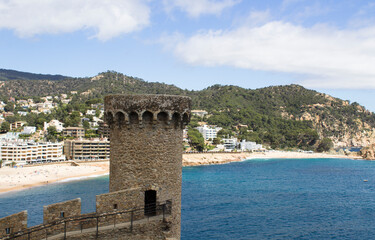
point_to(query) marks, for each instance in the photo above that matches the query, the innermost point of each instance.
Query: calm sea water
(255, 199)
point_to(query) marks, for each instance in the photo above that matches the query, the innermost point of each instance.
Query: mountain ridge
(9, 74)
(282, 116)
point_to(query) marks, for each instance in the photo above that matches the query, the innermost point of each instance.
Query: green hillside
(6, 74)
(280, 116)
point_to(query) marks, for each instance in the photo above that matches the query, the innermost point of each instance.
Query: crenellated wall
(127, 201)
(13, 223)
(120, 200)
(61, 210)
(145, 178)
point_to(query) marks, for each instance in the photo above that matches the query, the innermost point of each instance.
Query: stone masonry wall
(16, 222)
(145, 168)
(124, 200)
(146, 146)
(69, 208)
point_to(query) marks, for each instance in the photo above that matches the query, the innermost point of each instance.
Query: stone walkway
(105, 228)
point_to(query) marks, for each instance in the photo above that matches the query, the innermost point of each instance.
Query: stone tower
(146, 148)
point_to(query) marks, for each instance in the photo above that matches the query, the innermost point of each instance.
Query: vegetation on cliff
(280, 116)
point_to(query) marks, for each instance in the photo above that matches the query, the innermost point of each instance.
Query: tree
(51, 134)
(86, 125)
(73, 119)
(325, 145)
(9, 107)
(51, 130)
(24, 136)
(37, 99)
(196, 139)
(97, 113)
(5, 127)
(216, 141)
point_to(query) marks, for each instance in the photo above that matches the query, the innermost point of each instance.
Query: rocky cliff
(347, 125)
(368, 152)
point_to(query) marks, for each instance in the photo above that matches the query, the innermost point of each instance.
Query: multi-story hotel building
(75, 132)
(79, 149)
(26, 152)
(208, 132)
(103, 130)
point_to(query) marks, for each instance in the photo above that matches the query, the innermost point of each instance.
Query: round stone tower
(146, 147)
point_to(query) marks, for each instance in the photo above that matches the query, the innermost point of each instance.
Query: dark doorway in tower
(150, 203)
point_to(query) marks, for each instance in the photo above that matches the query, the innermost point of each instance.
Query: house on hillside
(16, 125)
(75, 132)
(55, 123)
(199, 113)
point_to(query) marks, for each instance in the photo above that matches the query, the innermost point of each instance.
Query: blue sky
(326, 45)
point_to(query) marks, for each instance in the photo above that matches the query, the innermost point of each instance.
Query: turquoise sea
(254, 199)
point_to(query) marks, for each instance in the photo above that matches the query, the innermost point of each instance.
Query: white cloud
(195, 8)
(327, 57)
(107, 18)
(257, 18)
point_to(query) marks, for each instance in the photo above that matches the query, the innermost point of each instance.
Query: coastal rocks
(74, 164)
(212, 158)
(368, 153)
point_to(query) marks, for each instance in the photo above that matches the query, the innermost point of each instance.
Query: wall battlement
(111, 209)
(145, 177)
(145, 110)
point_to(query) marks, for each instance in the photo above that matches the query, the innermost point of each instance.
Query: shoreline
(13, 179)
(222, 158)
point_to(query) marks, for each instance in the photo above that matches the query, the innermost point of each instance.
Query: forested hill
(281, 116)
(285, 115)
(100, 85)
(6, 74)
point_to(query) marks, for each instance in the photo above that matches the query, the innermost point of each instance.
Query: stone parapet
(141, 110)
(13, 223)
(61, 210)
(145, 178)
(120, 200)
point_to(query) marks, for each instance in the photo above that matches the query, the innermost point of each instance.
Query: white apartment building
(200, 113)
(26, 152)
(28, 130)
(250, 146)
(91, 112)
(56, 123)
(229, 143)
(208, 132)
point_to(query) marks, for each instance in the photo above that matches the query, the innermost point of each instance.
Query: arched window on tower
(176, 120)
(133, 118)
(163, 117)
(147, 117)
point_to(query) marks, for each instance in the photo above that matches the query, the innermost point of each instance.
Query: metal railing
(94, 222)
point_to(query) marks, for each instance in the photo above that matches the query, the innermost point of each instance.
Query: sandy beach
(221, 158)
(29, 176)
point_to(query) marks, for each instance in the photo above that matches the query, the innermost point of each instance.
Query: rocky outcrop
(196, 159)
(347, 125)
(368, 152)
